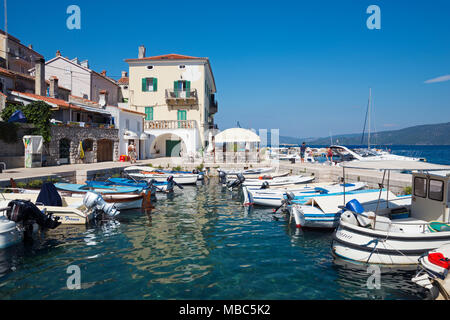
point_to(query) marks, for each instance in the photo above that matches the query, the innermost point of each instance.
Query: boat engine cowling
(222, 178)
(95, 202)
(265, 185)
(27, 213)
(236, 183)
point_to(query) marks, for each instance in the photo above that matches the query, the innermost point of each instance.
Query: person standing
(330, 155)
(303, 151)
(132, 152)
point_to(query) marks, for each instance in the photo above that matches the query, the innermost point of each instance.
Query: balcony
(181, 98)
(213, 106)
(170, 124)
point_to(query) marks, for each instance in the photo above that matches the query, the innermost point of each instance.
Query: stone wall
(77, 134)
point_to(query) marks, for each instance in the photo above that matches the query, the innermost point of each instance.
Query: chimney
(58, 53)
(39, 81)
(85, 64)
(124, 74)
(103, 73)
(141, 52)
(103, 98)
(53, 87)
(30, 46)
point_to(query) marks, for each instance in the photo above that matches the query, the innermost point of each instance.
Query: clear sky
(304, 67)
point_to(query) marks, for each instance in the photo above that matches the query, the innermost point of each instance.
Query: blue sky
(304, 67)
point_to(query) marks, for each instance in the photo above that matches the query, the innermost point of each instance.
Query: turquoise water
(199, 244)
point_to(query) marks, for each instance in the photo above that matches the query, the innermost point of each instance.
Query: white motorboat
(148, 174)
(379, 236)
(433, 273)
(283, 181)
(249, 173)
(345, 154)
(324, 211)
(275, 197)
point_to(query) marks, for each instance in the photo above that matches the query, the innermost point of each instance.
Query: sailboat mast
(370, 99)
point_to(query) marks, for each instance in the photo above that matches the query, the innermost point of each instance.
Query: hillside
(430, 134)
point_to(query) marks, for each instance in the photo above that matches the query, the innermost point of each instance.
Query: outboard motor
(222, 178)
(27, 213)
(95, 202)
(236, 183)
(265, 185)
(152, 190)
(289, 197)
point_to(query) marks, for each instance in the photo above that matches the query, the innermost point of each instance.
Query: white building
(82, 81)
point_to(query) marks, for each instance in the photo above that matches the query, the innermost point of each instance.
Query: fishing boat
(148, 174)
(324, 211)
(249, 173)
(68, 210)
(276, 197)
(292, 180)
(123, 197)
(433, 273)
(380, 235)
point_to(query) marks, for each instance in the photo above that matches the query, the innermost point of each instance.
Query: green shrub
(200, 167)
(407, 190)
(177, 168)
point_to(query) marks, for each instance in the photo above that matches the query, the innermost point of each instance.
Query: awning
(92, 109)
(237, 135)
(130, 135)
(398, 165)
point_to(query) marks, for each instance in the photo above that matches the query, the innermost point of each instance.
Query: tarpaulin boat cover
(49, 195)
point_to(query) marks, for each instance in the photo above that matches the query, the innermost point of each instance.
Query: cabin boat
(383, 235)
(346, 154)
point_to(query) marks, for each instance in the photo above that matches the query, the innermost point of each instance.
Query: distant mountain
(429, 134)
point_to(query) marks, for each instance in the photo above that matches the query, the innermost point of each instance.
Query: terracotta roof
(132, 111)
(83, 100)
(171, 56)
(52, 101)
(124, 80)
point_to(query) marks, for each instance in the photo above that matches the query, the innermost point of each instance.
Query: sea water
(200, 243)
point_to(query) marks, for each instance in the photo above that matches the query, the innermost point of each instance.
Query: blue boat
(98, 188)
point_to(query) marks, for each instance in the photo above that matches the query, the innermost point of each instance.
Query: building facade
(80, 80)
(16, 56)
(177, 95)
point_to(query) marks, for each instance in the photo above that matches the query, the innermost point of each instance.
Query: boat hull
(365, 245)
(312, 217)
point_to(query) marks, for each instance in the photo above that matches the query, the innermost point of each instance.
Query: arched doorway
(64, 151)
(105, 150)
(168, 145)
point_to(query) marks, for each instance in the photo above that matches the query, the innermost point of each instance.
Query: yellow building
(177, 94)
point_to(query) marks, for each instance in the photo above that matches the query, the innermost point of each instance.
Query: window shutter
(175, 88)
(151, 114)
(155, 84)
(188, 89)
(144, 84)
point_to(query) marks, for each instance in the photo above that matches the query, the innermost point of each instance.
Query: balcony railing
(170, 124)
(213, 106)
(181, 98)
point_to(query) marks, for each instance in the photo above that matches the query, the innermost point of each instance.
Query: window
(149, 84)
(436, 190)
(127, 124)
(182, 88)
(182, 67)
(420, 187)
(149, 113)
(138, 126)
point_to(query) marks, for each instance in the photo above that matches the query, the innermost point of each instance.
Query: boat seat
(405, 225)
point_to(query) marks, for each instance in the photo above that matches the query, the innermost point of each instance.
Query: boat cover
(49, 196)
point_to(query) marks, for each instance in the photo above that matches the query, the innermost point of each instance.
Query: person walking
(303, 151)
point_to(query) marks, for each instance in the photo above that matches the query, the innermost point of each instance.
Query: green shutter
(144, 84)
(155, 84)
(188, 89)
(175, 88)
(149, 113)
